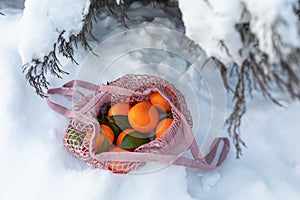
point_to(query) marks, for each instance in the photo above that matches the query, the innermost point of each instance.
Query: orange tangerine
(122, 135)
(162, 126)
(118, 109)
(101, 139)
(117, 166)
(160, 102)
(143, 117)
(130, 139)
(108, 132)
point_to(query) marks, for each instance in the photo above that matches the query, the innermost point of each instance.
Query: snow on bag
(83, 131)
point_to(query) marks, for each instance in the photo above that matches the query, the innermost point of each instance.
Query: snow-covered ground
(35, 165)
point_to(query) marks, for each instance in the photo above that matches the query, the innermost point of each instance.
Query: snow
(119, 1)
(202, 17)
(287, 26)
(35, 165)
(268, 169)
(213, 15)
(43, 21)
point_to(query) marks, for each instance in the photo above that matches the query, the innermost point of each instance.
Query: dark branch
(259, 73)
(36, 71)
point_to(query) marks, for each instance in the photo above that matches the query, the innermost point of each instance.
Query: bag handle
(68, 91)
(202, 164)
(206, 162)
(82, 84)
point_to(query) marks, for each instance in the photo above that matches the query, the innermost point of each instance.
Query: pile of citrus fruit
(125, 127)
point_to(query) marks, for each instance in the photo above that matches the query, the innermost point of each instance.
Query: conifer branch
(259, 73)
(36, 71)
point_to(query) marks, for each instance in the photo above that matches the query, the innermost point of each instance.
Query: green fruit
(74, 138)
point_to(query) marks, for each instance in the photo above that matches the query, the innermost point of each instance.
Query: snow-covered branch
(257, 44)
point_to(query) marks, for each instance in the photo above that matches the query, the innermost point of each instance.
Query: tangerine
(162, 126)
(122, 135)
(160, 102)
(130, 139)
(118, 109)
(108, 132)
(143, 117)
(102, 140)
(117, 166)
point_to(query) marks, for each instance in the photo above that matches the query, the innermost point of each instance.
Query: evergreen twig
(258, 72)
(36, 71)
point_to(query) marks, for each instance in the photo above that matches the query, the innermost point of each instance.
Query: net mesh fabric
(76, 137)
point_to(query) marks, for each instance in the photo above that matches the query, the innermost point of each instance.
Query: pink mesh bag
(168, 149)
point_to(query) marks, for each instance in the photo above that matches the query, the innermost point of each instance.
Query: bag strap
(201, 164)
(68, 91)
(82, 84)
